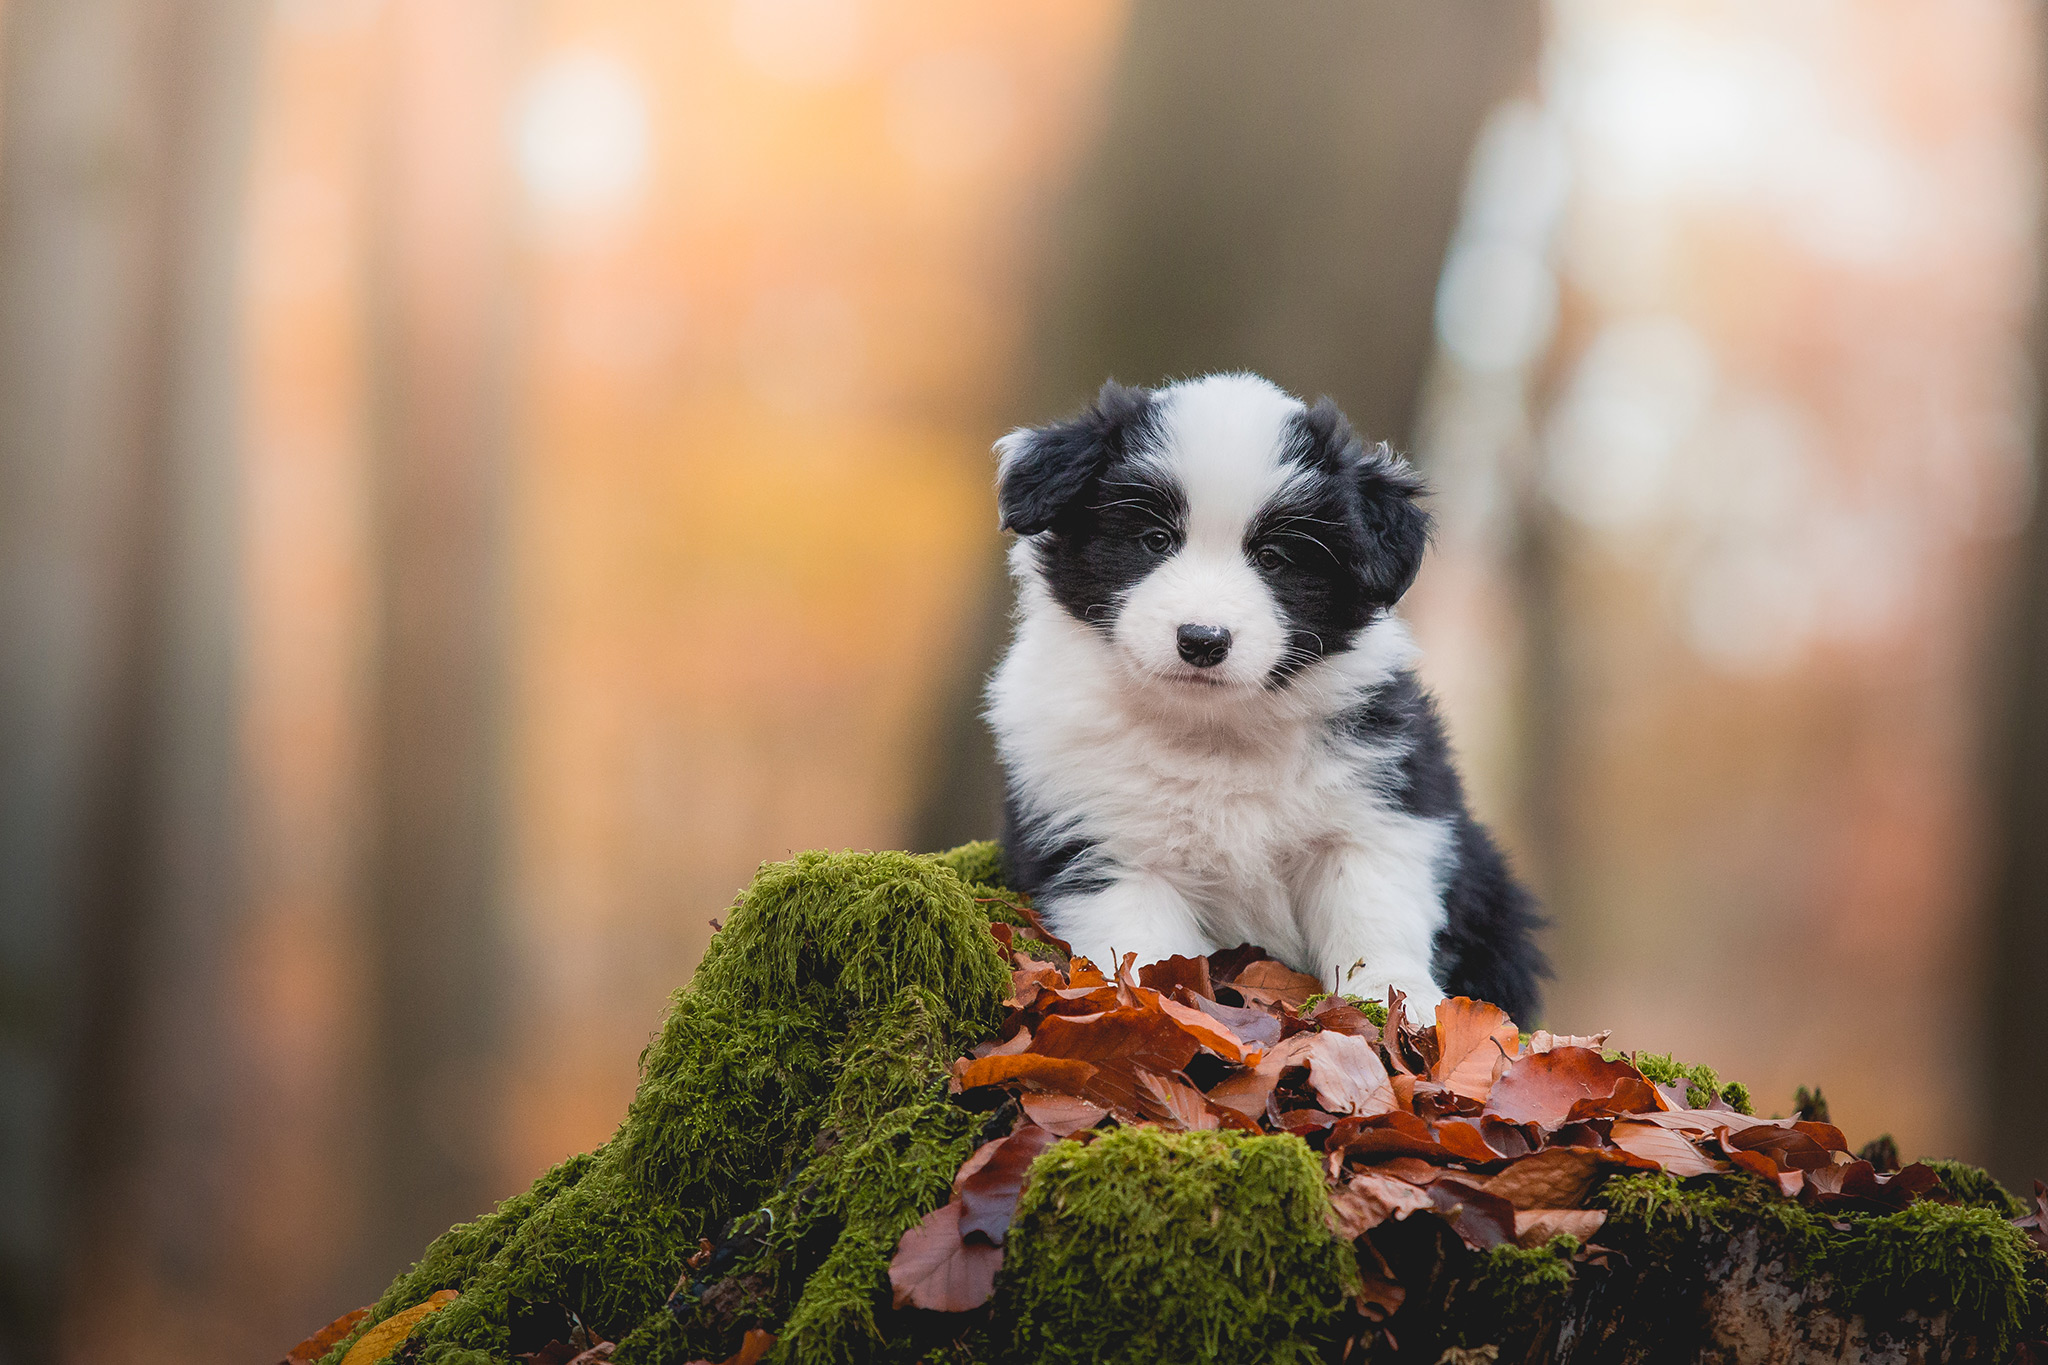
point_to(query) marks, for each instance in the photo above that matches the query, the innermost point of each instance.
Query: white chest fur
(1258, 819)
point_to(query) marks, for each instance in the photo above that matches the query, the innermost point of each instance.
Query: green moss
(839, 988)
(1702, 1086)
(977, 864)
(1942, 1258)
(1963, 1260)
(1736, 1096)
(1976, 1188)
(1520, 1282)
(1146, 1246)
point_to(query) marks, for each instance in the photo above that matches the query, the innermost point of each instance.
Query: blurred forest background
(478, 476)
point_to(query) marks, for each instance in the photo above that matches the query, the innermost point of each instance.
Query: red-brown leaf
(1140, 1037)
(1179, 973)
(1247, 1091)
(1346, 1074)
(1482, 1220)
(933, 1268)
(1790, 1149)
(1062, 1115)
(1369, 1199)
(1553, 1179)
(1174, 1104)
(322, 1341)
(1068, 1075)
(1334, 1014)
(1082, 972)
(1226, 963)
(988, 1198)
(1282, 982)
(1211, 1033)
(1462, 1138)
(1386, 1135)
(1473, 1038)
(1543, 1087)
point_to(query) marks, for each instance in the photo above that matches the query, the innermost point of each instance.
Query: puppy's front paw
(1422, 994)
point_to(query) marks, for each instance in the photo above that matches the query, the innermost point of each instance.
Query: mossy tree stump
(793, 1117)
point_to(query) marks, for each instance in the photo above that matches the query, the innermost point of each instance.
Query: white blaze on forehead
(1223, 439)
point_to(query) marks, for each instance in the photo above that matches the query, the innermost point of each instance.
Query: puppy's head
(1217, 533)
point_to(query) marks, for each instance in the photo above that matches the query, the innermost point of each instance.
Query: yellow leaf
(388, 1335)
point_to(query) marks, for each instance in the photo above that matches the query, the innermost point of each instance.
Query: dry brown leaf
(1015, 1043)
(1554, 1179)
(1178, 973)
(1543, 1087)
(1472, 1036)
(1210, 1032)
(1661, 1145)
(1066, 1074)
(1346, 1074)
(388, 1335)
(1534, 1227)
(1543, 1040)
(1462, 1138)
(933, 1268)
(1063, 1115)
(1370, 1199)
(988, 1198)
(322, 1341)
(1482, 1220)
(1335, 1014)
(1247, 1091)
(1282, 982)
(1081, 972)
(1173, 1103)
(1140, 1037)
(1386, 1135)
(1255, 1025)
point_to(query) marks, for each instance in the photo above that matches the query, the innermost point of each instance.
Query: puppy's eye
(1270, 557)
(1157, 540)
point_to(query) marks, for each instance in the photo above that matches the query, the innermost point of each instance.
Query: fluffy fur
(1209, 719)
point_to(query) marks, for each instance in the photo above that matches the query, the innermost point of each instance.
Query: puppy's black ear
(1043, 469)
(1395, 527)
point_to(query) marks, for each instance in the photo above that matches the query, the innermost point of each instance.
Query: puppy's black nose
(1203, 646)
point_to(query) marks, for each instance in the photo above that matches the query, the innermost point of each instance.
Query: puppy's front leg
(1371, 914)
(1137, 912)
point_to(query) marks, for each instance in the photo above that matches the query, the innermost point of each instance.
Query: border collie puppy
(1209, 720)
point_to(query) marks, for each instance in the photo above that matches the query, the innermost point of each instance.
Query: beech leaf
(1347, 1076)
(1472, 1037)
(933, 1268)
(988, 1198)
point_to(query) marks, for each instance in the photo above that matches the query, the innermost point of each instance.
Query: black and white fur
(1209, 720)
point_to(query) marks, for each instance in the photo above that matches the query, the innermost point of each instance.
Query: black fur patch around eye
(1095, 551)
(1321, 596)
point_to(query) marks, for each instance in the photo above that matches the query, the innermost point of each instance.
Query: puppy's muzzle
(1203, 646)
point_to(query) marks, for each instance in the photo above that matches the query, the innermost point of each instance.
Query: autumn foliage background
(476, 478)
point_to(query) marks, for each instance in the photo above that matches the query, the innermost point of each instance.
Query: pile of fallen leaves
(1463, 1118)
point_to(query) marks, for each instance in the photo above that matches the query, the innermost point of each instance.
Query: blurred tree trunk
(437, 298)
(2015, 1079)
(123, 129)
(1274, 191)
